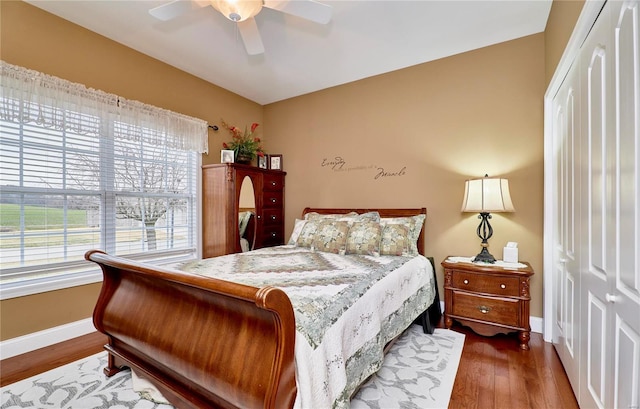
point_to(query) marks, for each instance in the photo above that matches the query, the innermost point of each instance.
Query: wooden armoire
(221, 192)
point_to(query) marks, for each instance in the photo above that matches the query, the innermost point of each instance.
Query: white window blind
(81, 169)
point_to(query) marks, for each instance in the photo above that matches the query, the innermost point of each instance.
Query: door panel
(571, 325)
(597, 352)
(627, 359)
(625, 297)
(597, 253)
(566, 289)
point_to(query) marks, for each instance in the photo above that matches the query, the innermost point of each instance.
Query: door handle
(612, 298)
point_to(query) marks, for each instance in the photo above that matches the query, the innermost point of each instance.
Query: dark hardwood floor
(493, 372)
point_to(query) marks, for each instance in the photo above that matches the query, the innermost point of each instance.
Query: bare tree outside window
(157, 178)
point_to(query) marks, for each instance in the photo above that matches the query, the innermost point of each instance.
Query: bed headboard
(383, 213)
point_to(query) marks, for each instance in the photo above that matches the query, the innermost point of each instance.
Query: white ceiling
(363, 39)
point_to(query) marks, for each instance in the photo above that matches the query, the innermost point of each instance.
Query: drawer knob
(503, 286)
(273, 234)
(484, 309)
(273, 183)
(466, 281)
(273, 200)
(273, 217)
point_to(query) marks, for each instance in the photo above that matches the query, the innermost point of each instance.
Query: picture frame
(262, 162)
(275, 162)
(226, 156)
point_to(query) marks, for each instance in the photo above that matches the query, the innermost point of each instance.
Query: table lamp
(486, 196)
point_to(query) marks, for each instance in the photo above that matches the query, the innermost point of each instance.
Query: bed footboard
(202, 342)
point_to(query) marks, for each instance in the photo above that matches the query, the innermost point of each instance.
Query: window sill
(59, 282)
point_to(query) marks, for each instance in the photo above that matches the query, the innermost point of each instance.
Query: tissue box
(510, 255)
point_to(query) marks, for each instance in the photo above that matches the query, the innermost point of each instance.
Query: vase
(244, 159)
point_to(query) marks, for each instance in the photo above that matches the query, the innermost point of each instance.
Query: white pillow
(297, 228)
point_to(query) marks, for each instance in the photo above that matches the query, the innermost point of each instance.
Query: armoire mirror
(247, 215)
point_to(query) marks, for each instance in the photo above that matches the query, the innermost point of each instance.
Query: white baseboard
(47, 337)
(537, 324)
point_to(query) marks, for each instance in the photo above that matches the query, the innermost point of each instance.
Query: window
(77, 176)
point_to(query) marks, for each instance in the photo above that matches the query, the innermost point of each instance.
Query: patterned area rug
(418, 372)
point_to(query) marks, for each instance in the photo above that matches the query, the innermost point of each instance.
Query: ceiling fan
(242, 12)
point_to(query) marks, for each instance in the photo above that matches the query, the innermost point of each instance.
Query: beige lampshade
(487, 195)
(237, 10)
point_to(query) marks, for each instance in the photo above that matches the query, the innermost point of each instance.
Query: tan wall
(435, 125)
(41, 41)
(562, 19)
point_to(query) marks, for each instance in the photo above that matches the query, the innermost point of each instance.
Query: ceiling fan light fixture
(238, 10)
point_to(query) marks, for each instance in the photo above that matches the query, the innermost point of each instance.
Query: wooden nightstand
(488, 299)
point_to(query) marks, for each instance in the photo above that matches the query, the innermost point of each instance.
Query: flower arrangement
(244, 145)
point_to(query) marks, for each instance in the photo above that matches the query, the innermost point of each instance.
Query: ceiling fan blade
(175, 8)
(307, 9)
(251, 36)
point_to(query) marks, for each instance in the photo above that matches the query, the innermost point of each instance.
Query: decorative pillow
(364, 238)
(369, 216)
(308, 233)
(414, 225)
(316, 216)
(331, 237)
(351, 217)
(394, 240)
(297, 229)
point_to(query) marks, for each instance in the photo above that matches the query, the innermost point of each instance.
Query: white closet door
(595, 260)
(610, 207)
(598, 213)
(566, 288)
(624, 285)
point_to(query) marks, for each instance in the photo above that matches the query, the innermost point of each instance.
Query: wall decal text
(339, 164)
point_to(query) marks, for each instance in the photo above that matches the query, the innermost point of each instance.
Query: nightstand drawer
(498, 285)
(500, 311)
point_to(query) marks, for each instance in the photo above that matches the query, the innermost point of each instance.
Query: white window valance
(28, 96)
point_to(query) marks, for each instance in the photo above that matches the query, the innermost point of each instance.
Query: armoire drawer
(273, 182)
(272, 217)
(272, 199)
(272, 237)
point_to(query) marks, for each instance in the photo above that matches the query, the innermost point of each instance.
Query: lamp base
(484, 257)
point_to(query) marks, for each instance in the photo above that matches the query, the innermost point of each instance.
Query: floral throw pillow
(308, 233)
(331, 237)
(364, 238)
(414, 225)
(394, 240)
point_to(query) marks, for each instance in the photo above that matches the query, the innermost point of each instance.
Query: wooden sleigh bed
(205, 342)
